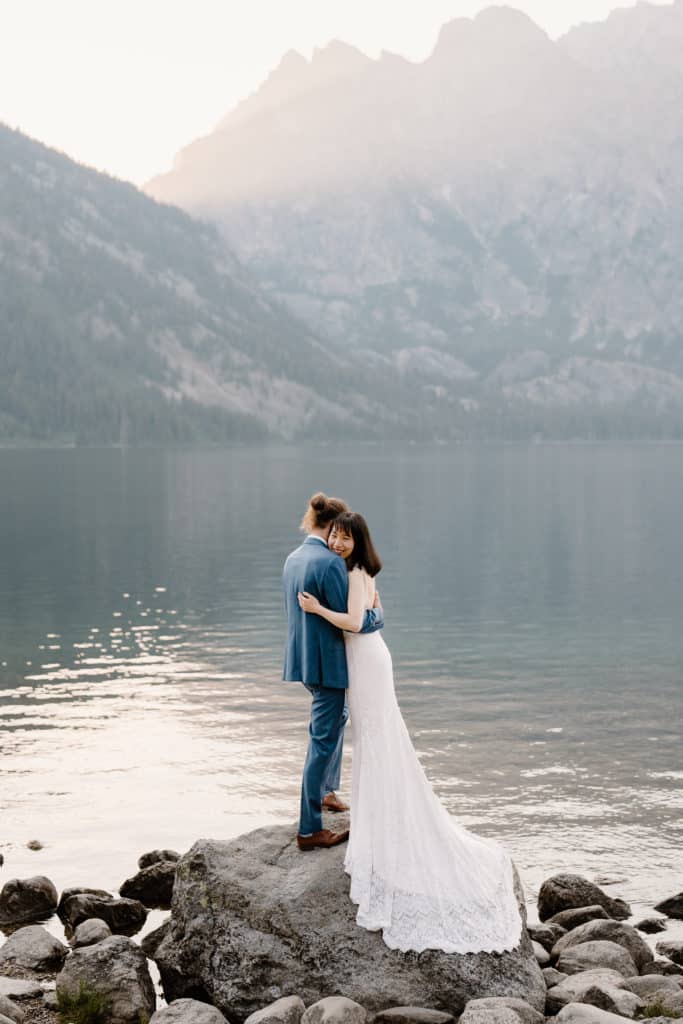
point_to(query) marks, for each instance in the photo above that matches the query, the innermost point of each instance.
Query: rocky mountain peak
(338, 58)
(497, 31)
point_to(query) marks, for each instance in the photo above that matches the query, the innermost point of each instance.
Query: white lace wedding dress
(416, 874)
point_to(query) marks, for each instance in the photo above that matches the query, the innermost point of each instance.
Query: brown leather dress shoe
(323, 839)
(331, 802)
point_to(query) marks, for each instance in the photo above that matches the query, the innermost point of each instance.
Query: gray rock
(651, 925)
(545, 936)
(582, 1013)
(151, 941)
(77, 890)
(566, 892)
(483, 1015)
(124, 917)
(5, 1020)
(152, 885)
(18, 988)
(188, 1011)
(587, 956)
(671, 948)
(116, 968)
(496, 1010)
(669, 1003)
(50, 1000)
(335, 1010)
(258, 895)
(644, 984)
(27, 899)
(34, 948)
(11, 1010)
(610, 931)
(288, 1010)
(155, 856)
(660, 965)
(541, 954)
(553, 977)
(91, 931)
(575, 986)
(411, 1015)
(672, 907)
(569, 919)
(614, 1000)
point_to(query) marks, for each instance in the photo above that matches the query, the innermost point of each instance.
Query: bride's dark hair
(364, 554)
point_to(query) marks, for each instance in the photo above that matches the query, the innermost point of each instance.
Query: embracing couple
(416, 874)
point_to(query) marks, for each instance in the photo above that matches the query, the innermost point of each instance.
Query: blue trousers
(322, 770)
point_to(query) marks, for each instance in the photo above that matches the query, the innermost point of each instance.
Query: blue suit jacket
(315, 648)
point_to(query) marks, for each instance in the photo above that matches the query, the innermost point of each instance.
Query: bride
(415, 872)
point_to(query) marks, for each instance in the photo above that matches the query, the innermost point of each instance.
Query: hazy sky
(123, 84)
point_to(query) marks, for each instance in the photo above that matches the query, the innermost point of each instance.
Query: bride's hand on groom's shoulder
(308, 602)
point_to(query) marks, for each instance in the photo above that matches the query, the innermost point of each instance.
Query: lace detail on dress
(415, 921)
(415, 872)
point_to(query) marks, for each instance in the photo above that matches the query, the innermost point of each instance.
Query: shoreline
(611, 919)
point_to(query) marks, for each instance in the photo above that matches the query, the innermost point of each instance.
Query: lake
(533, 597)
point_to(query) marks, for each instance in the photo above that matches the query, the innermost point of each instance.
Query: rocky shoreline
(259, 933)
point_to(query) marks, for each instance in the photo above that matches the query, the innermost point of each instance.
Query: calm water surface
(533, 598)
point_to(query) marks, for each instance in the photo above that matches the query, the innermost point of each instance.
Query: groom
(316, 657)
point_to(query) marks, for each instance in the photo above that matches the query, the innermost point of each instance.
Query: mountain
(122, 319)
(499, 224)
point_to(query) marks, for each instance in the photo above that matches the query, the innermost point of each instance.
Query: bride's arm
(352, 619)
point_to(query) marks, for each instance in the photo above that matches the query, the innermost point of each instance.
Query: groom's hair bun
(321, 511)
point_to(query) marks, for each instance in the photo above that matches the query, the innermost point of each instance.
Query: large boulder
(254, 920)
(588, 956)
(27, 899)
(610, 931)
(116, 969)
(33, 948)
(566, 892)
(672, 907)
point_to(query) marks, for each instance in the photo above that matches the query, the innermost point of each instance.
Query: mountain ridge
(123, 320)
(506, 195)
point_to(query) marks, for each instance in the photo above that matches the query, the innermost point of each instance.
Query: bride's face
(341, 543)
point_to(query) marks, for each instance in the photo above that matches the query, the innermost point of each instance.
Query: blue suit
(316, 657)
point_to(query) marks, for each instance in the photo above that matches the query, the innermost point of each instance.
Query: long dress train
(415, 872)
